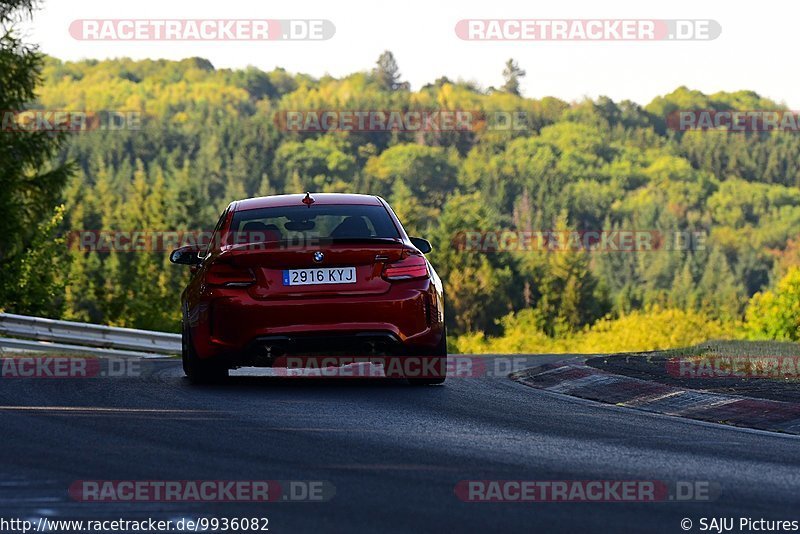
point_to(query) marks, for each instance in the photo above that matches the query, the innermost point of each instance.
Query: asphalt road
(394, 453)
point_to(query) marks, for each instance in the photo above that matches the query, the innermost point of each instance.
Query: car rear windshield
(301, 223)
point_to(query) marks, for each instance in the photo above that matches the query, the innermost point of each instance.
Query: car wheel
(440, 374)
(197, 370)
(184, 350)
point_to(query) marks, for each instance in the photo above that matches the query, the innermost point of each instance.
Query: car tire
(439, 352)
(184, 349)
(197, 370)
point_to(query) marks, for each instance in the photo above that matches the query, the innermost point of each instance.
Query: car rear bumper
(246, 331)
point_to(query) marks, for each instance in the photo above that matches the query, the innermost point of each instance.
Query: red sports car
(310, 276)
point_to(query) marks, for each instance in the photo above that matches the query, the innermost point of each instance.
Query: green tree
(387, 73)
(30, 180)
(775, 314)
(429, 172)
(40, 283)
(477, 283)
(512, 75)
(720, 293)
(568, 288)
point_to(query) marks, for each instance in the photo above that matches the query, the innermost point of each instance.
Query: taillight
(406, 269)
(226, 275)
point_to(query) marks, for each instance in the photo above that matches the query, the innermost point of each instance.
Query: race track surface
(393, 452)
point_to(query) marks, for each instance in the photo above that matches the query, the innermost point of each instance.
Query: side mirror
(423, 245)
(187, 255)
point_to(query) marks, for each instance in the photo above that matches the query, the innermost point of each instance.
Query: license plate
(326, 275)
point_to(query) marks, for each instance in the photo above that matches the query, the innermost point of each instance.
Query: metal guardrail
(68, 335)
(24, 345)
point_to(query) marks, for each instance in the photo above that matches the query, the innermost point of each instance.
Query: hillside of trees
(209, 136)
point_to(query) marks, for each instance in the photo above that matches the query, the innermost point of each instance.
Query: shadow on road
(256, 382)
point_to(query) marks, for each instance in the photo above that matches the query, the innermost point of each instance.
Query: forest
(208, 136)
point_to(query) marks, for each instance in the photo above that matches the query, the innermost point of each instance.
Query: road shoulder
(663, 392)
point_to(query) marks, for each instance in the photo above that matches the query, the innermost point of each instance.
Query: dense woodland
(209, 136)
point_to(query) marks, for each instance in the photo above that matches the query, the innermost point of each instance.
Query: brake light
(406, 269)
(226, 275)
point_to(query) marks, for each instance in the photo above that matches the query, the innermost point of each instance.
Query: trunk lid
(268, 262)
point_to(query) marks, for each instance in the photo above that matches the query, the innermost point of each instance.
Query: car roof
(292, 200)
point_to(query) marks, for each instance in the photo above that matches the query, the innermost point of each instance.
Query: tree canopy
(210, 135)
